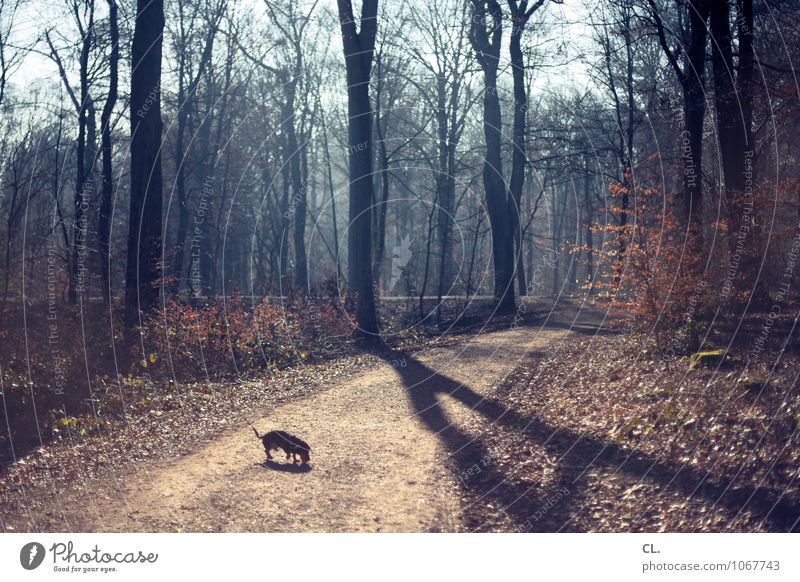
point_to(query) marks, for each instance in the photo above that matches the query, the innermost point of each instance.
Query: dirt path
(379, 456)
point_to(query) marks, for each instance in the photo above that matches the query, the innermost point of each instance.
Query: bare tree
(190, 75)
(359, 46)
(617, 37)
(292, 26)
(10, 56)
(444, 55)
(83, 13)
(733, 95)
(144, 229)
(106, 200)
(486, 34)
(691, 76)
(520, 15)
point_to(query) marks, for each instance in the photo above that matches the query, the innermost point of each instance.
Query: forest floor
(546, 426)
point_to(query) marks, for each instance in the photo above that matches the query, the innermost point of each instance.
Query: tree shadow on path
(533, 508)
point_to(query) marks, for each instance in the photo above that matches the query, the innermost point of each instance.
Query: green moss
(706, 359)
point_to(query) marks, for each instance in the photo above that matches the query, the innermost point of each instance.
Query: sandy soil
(379, 457)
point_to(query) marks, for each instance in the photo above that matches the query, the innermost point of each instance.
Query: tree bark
(733, 102)
(691, 77)
(445, 194)
(588, 219)
(380, 208)
(488, 13)
(299, 195)
(358, 51)
(520, 15)
(82, 174)
(106, 202)
(329, 172)
(625, 132)
(695, 111)
(144, 231)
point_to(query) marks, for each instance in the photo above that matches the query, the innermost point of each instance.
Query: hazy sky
(565, 38)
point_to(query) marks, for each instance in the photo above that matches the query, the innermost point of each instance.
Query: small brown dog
(291, 445)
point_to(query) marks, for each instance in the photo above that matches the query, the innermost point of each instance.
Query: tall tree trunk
(299, 196)
(78, 236)
(625, 135)
(558, 284)
(727, 108)
(358, 51)
(285, 218)
(427, 269)
(60, 221)
(187, 97)
(691, 76)
(630, 182)
(144, 231)
(205, 217)
(381, 206)
(744, 73)
(734, 119)
(184, 108)
(574, 253)
(443, 193)
(220, 135)
(694, 112)
(329, 172)
(106, 202)
(82, 181)
(520, 15)
(588, 210)
(488, 54)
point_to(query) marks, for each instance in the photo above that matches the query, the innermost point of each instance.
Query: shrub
(652, 274)
(233, 337)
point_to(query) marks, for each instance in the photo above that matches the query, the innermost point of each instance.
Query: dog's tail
(255, 431)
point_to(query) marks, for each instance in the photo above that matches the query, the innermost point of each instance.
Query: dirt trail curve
(376, 464)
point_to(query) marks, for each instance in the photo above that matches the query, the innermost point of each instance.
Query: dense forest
(205, 191)
(202, 149)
